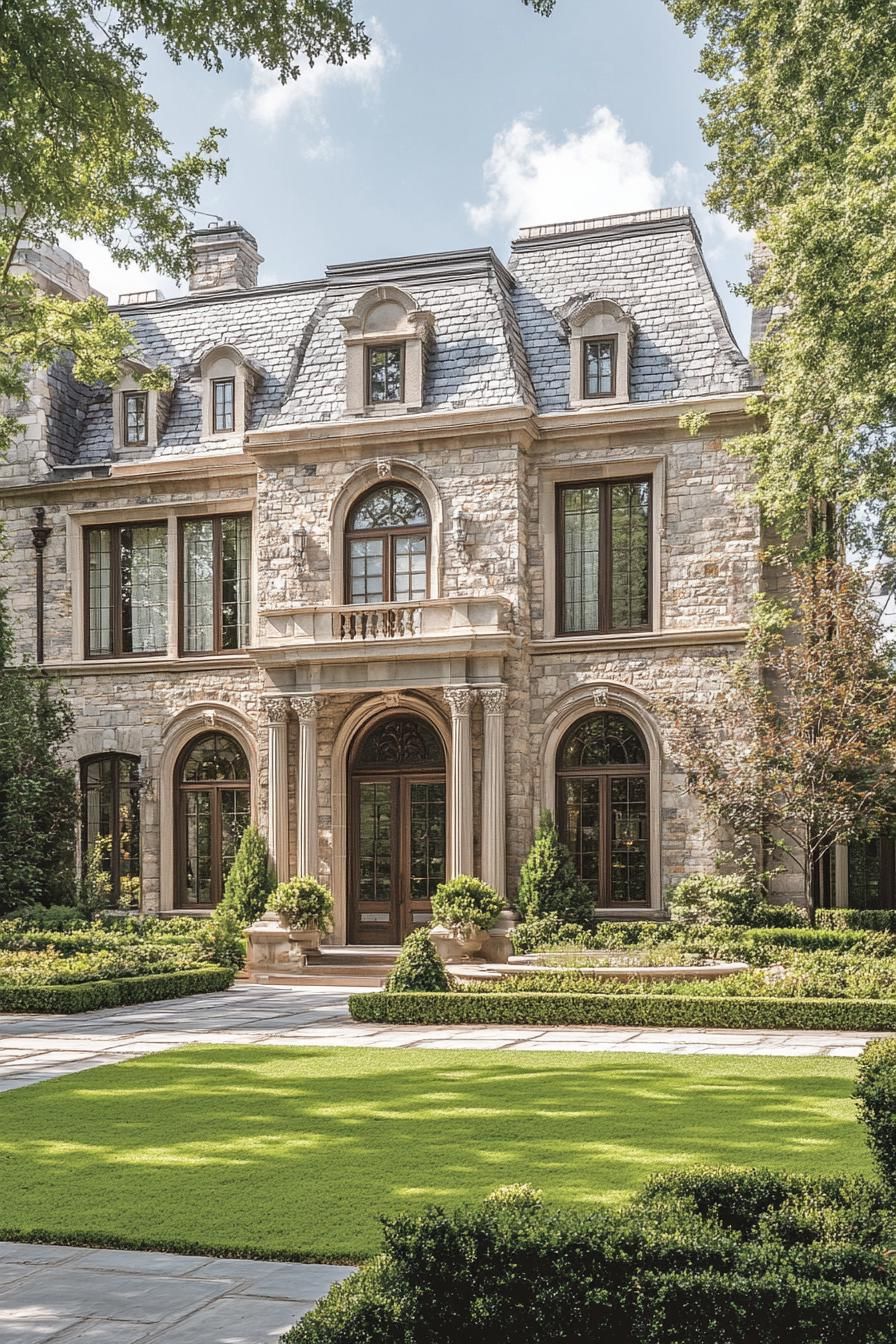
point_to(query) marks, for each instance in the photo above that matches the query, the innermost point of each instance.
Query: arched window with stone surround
(603, 773)
(387, 542)
(213, 809)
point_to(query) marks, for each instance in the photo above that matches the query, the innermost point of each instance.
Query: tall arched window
(387, 546)
(602, 807)
(110, 822)
(214, 808)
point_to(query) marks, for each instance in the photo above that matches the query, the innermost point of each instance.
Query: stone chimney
(225, 256)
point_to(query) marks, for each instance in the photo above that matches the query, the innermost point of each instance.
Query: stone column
(278, 787)
(494, 820)
(460, 854)
(306, 707)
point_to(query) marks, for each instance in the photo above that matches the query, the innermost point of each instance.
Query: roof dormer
(139, 413)
(601, 337)
(386, 341)
(229, 380)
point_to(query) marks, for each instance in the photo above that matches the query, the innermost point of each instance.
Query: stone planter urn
(469, 941)
(305, 939)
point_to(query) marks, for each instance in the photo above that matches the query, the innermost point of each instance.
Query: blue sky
(469, 119)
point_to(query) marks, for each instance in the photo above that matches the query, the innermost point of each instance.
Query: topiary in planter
(466, 905)
(304, 903)
(419, 967)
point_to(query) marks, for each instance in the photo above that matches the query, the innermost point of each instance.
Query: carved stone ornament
(460, 698)
(277, 710)
(305, 706)
(494, 699)
(209, 717)
(384, 467)
(393, 699)
(601, 696)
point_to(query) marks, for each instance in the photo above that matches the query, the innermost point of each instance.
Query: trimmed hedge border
(215, 1250)
(92, 994)
(625, 1010)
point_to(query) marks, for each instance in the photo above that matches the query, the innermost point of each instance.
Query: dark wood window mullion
(217, 587)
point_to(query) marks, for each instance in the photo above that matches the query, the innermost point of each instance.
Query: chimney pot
(225, 256)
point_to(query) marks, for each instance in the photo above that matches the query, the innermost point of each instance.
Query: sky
(469, 119)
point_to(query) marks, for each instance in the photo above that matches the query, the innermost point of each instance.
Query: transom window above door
(387, 546)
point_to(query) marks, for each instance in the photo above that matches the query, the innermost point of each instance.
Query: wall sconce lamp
(459, 530)
(299, 545)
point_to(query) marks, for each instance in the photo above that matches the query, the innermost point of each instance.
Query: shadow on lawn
(279, 1148)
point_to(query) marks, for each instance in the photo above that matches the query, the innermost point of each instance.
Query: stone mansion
(401, 557)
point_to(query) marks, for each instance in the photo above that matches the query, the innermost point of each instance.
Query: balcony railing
(386, 624)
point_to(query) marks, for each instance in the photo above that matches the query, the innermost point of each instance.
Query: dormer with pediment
(601, 339)
(387, 336)
(139, 414)
(229, 380)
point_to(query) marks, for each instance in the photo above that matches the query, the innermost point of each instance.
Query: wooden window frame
(604, 485)
(613, 343)
(217, 520)
(125, 439)
(116, 757)
(215, 787)
(116, 621)
(387, 535)
(216, 383)
(373, 348)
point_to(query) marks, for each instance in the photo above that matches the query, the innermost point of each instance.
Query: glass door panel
(426, 849)
(375, 861)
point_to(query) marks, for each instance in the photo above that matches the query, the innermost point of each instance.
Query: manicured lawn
(296, 1151)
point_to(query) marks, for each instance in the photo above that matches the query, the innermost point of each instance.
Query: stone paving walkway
(66, 1294)
(33, 1049)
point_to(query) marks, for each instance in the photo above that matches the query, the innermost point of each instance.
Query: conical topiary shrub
(549, 882)
(251, 878)
(419, 967)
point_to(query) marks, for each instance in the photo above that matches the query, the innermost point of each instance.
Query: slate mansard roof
(499, 339)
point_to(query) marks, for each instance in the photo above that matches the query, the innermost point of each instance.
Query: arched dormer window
(387, 541)
(229, 380)
(138, 414)
(601, 335)
(386, 342)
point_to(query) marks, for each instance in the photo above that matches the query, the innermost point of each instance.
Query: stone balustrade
(429, 621)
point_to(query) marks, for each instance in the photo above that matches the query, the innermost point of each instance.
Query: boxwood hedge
(630, 1010)
(83, 998)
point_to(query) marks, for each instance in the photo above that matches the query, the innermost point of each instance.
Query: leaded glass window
(215, 583)
(127, 589)
(604, 556)
(110, 824)
(214, 810)
(603, 807)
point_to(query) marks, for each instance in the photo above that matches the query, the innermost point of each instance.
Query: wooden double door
(398, 831)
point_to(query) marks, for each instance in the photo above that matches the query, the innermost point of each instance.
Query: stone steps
(364, 967)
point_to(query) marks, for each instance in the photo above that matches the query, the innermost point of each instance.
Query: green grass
(296, 1151)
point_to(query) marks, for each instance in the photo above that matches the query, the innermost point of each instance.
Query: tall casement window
(215, 588)
(214, 808)
(602, 807)
(599, 372)
(127, 589)
(871, 873)
(385, 374)
(387, 546)
(110, 823)
(134, 420)
(222, 405)
(603, 534)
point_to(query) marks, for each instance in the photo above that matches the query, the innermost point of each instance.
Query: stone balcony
(442, 626)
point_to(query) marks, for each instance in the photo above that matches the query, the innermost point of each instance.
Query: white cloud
(533, 179)
(269, 102)
(110, 278)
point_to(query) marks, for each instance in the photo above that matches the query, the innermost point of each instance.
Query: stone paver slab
(119, 1297)
(20, 1327)
(234, 1320)
(148, 1262)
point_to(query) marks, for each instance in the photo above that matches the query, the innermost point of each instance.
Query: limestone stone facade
(473, 649)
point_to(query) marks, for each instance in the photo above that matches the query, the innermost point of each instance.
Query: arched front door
(397, 851)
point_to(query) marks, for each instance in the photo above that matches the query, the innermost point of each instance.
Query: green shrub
(33, 915)
(714, 898)
(304, 903)
(876, 1095)
(87, 996)
(668, 1268)
(549, 883)
(769, 915)
(250, 880)
(546, 931)
(419, 966)
(866, 942)
(846, 918)
(222, 938)
(465, 903)
(640, 1009)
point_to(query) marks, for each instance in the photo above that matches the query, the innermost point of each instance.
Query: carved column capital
(494, 699)
(305, 707)
(460, 699)
(277, 710)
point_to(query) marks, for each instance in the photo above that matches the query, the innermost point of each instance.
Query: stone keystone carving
(277, 710)
(209, 717)
(494, 699)
(383, 467)
(460, 698)
(601, 696)
(305, 706)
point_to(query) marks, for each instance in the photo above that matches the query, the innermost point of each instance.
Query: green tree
(251, 878)
(549, 883)
(38, 801)
(801, 114)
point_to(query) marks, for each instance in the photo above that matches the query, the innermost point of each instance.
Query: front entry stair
(368, 966)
